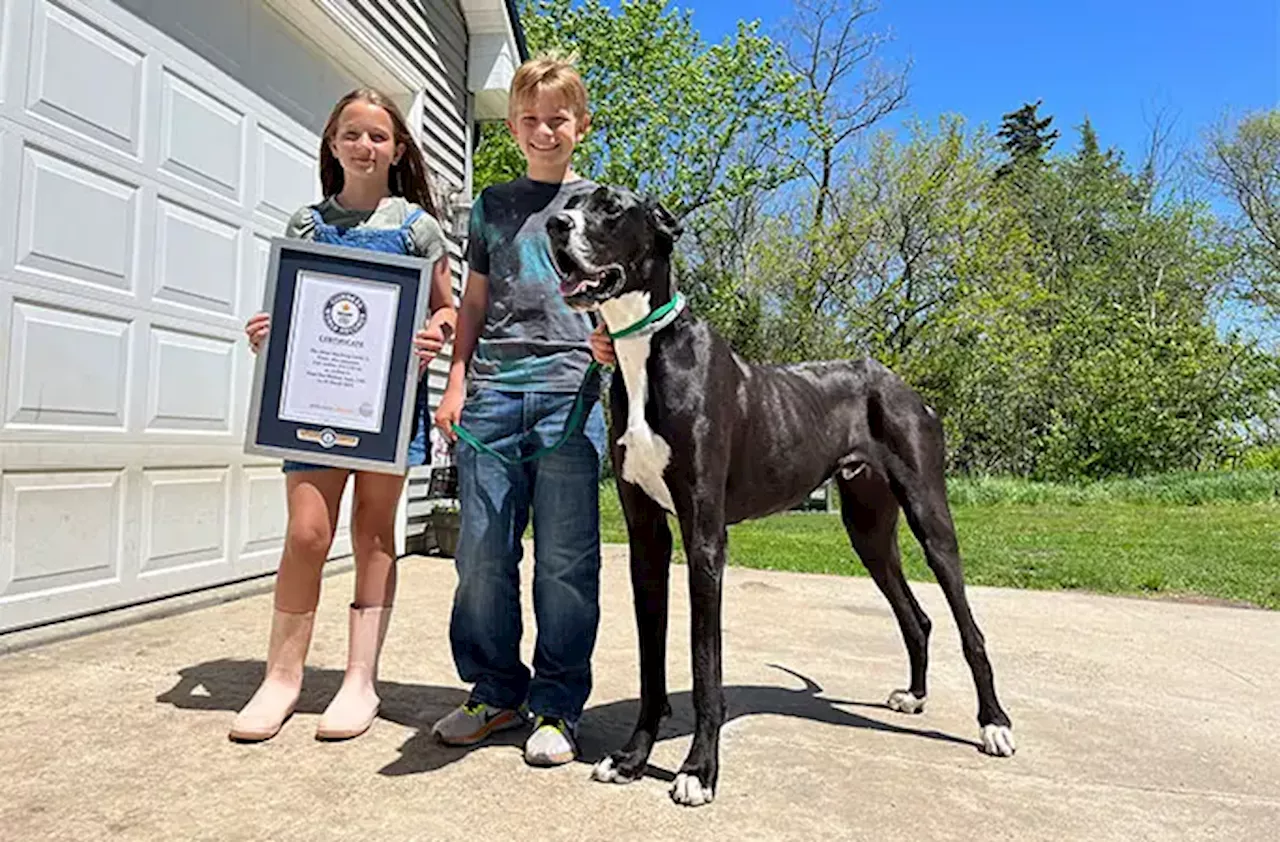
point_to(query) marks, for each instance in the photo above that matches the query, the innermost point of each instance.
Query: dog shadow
(227, 685)
(604, 729)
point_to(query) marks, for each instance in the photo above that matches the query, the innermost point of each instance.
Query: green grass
(1173, 536)
(1186, 488)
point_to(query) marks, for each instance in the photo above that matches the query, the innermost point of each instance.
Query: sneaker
(473, 722)
(551, 743)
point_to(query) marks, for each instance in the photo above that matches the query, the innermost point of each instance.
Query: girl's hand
(427, 343)
(602, 346)
(450, 410)
(257, 329)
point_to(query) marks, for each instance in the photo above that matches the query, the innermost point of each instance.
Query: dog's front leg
(705, 540)
(650, 540)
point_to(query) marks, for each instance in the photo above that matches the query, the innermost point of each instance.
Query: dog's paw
(690, 792)
(904, 701)
(608, 772)
(997, 740)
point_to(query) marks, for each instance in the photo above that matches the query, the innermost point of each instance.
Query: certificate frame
(329, 443)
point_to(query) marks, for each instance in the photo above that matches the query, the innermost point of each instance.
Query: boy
(528, 355)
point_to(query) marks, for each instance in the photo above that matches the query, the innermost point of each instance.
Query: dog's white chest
(645, 453)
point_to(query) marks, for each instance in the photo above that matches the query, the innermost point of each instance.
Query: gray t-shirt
(531, 340)
(427, 238)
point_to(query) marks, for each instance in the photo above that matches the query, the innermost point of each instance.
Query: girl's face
(364, 142)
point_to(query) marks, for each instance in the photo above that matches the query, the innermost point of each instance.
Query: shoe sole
(553, 760)
(257, 736)
(498, 723)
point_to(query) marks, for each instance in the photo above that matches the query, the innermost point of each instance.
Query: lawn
(1224, 544)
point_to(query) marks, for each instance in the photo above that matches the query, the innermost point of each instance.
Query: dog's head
(609, 242)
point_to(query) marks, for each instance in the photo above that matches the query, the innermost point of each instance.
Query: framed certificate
(335, 382)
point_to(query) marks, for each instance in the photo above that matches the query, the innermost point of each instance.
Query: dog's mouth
(578, 280)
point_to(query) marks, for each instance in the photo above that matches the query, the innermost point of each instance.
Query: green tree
(1105, 359)
(693, 124)
(1025, 137)
(1244, 163)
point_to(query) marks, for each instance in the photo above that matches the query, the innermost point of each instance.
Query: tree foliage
(1057, 308)
(694, 124)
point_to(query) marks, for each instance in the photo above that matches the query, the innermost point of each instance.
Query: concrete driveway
(1134, 720)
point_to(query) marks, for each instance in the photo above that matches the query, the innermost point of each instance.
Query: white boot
(275, 698)
(352, 711)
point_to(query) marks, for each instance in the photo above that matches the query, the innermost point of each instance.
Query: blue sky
(1121, 62)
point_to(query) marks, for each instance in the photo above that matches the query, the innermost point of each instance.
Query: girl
(377, 196)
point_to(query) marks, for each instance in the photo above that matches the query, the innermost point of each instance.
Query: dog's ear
(666, 224)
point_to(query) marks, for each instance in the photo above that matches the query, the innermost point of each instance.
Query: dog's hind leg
(870, 514)
(650, 540)
(915, 462)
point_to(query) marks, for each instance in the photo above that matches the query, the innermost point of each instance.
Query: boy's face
(546, 129)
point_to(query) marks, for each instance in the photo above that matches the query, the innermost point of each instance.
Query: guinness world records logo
(345, 313)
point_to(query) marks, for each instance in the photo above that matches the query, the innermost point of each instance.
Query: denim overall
(394, 241)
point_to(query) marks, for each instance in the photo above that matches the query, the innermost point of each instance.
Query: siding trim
(353, 42)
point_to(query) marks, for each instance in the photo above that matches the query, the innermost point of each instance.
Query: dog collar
(655, 321)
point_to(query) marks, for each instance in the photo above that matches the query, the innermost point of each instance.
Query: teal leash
(661, 317)
(571, 424)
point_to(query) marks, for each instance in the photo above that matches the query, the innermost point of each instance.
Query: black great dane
(714, 441)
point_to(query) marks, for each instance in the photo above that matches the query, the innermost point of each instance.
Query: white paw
(605, 773)
(904, 701)
(688, 790)
(997, 740)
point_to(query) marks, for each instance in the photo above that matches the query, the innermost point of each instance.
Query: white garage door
(146, 156)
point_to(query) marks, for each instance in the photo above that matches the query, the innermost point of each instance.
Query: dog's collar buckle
(655, 321)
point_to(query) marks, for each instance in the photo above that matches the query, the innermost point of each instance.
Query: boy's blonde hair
(552, 72)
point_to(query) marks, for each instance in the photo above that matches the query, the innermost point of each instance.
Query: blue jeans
(562, 489)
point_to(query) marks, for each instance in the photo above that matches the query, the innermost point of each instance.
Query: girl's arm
(259, 324)
(443, 313)
(444, 317)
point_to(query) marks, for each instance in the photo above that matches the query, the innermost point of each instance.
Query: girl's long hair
(408, 176)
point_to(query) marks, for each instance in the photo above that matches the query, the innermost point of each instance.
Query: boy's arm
(475, 302)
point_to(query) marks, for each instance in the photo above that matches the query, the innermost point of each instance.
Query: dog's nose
(561, 223)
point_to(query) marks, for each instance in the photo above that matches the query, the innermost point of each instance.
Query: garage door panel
(184, 519)
(85, 78)
(10, 175)
(202, 136)
(197, 258)
(190, 383)
(56, 197)
(67, 368)
(264, 512)
(124, 376)
(256, 283)
(59, 530)
(286, 175)
(9, 46)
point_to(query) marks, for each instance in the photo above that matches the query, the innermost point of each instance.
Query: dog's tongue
(572, 286)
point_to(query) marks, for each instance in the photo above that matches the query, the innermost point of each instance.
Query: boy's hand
(602, 346)
(450, 411)
(427, 343)
(257, 329)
